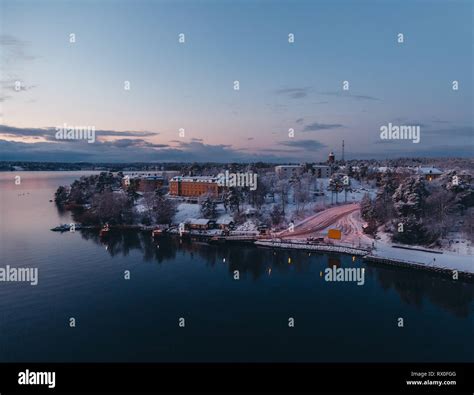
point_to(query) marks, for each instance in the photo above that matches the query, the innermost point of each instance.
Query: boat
(104, 231)
(158, 232)
(66, 227)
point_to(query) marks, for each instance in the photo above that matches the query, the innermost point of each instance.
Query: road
(315, 224)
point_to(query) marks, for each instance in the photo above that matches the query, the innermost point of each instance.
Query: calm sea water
(226, 320)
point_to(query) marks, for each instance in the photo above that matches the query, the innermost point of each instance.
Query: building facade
(288, 170)
(144, 183)
(322, 171)
(188, 186)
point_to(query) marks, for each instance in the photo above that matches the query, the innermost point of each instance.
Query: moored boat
(104, 231)
(157, 232)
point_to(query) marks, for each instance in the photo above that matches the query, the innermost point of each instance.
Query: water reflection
(413, 287)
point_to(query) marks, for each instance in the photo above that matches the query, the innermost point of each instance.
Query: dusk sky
(282, 85)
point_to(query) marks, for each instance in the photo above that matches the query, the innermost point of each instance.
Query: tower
(331, 158)
(342, 158)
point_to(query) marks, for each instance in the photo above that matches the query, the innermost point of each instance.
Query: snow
(450, 261)
(140, 205)
(298, 245)
(247, 226)
(197, 221)
(187, 210)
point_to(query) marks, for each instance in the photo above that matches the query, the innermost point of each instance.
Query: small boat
(157, 232)
(67, 227)
(104, 231)
(61, 228)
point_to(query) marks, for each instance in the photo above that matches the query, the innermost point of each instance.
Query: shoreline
(367, 256)
(365, 253)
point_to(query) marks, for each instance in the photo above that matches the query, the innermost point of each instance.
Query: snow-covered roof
(197, 221)
(429, 170)
(224, 221)
(209, 179)
(143, 177)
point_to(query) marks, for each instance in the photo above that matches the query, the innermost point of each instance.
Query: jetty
(465, 275)
(304, 245)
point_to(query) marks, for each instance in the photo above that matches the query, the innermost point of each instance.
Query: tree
(276, 215)
(301, 193)
(414, 231)
(367, 208)
(233, 198)
(283, 188)
(61, 195)
(409, 197)
(409, 202)
(438, 209)
(112, 208)
(257, 196)
(336, 185)
(164, 211)
(383, 201)
(209, 208)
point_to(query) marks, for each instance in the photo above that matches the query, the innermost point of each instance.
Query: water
(226, 320)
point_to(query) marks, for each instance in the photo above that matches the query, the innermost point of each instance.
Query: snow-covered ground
(384, 247)
(187, 210)
(455, 242)
(445, 260)
(351, 226)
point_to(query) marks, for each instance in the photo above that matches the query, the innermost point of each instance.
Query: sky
(190, 85)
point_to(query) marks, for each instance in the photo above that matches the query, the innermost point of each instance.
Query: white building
(322, 171)
(289, 170)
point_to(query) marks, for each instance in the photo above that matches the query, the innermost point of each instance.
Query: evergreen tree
(209, 208)
(367, 208)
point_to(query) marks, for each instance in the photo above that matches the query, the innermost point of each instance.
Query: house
(199, 223)
(225, 223)
(429, 173)
(251, 212)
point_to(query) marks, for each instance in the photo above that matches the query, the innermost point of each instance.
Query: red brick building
(194, 186)
(145, 183)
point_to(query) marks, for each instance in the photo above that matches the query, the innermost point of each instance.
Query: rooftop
(197, 221)
(195, 178)
(429, 170)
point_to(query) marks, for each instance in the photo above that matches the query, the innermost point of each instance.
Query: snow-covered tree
(233, 198)
(336, 185)
(408, 198)
(208, 208)
(276, 215)
(367, 207)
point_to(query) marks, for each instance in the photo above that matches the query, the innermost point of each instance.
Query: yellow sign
(334, 234)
